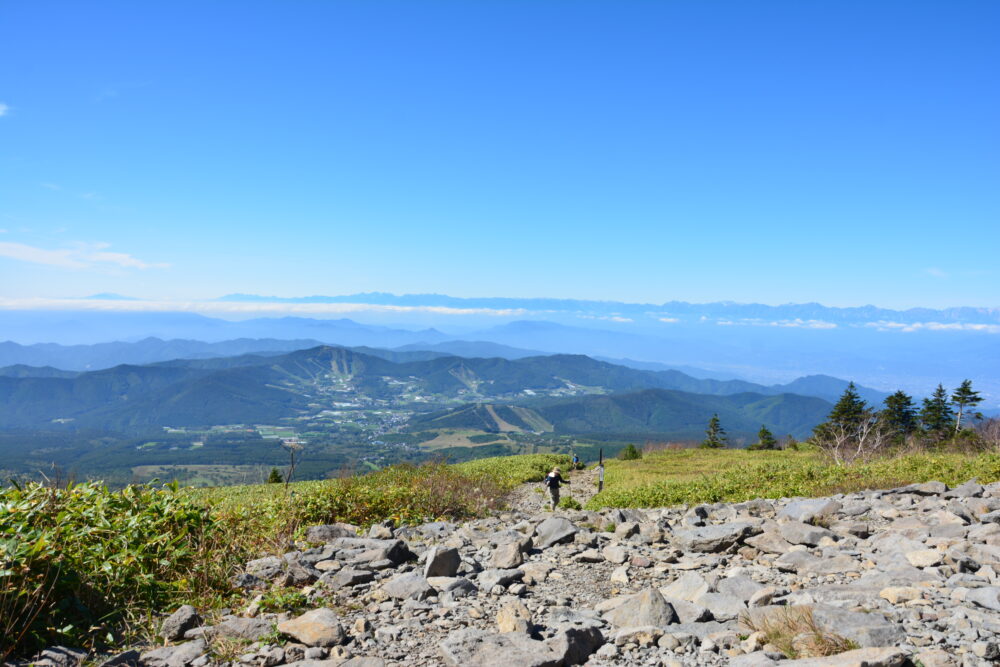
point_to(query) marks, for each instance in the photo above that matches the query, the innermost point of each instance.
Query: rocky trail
(909, 576)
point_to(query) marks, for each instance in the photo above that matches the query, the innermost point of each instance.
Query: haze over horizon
(771, 153)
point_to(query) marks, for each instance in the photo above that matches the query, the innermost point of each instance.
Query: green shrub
(75, 561)
(630, 453)
(570, 503)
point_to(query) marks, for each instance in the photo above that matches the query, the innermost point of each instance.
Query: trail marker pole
(600, 472)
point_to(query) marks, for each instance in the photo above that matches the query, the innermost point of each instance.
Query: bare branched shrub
(989, 433)
(867, 439)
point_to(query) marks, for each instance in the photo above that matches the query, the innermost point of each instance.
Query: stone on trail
(185, 618)
(770, 542)
(689, 586)
(645, 608)
(242, 628)
(347, 577)
(723, 607)
(514, 617)
(490, 578)
(442, 562)
(554, 530)
(319, 627)
(739, 586)
(807, 510)
(174, 656)
(713, 539)
(883, 656)
(614, 554)
(507, 556)
(408, 586)
(471, 646)
(987, 597)
(871, 629)
(796, 532)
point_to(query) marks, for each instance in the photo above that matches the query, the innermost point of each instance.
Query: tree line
(855, 430)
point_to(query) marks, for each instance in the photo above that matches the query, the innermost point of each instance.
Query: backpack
(550, 481)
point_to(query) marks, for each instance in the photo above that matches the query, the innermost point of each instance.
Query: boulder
(471, 646)
(713, 539)
(408, 586)
(645, 608)
(554, 530)
(796, 532)
(806, 510)
(442, 562)
(174, 656)
(319, 627)
(884, 656)
(330, 532)
(507, 556)
(185, 618)
(490, 578)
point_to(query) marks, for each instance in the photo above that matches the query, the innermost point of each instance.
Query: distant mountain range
(681, 309)
(265, 389)
(19, 360)
(886, 355)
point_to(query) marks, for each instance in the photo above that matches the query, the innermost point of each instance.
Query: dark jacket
(554, 480)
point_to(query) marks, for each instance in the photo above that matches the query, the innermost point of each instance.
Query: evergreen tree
(849, 410)
(936, 416)
(274, 477)
(630, 453)
(715, 434)
(765, 440)
(964, 397)
(900, 415)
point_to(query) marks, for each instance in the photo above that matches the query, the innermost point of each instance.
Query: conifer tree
(715, 435)
(849, 410)
(274, 477)
(936, 415)
(765, 440)
(964, 397)
(900, 415)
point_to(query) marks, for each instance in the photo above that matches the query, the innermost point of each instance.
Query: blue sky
(841, 152)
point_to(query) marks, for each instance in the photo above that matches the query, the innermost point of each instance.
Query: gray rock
(796, 532)
(770, 542)
(347, 577)
(242, 628)
(755, 659)
(330, 532)
(645, 608)
(408, 586)
(126, 659)
(471, 646)
(689, 586)
(739, 587)
(863, 629)
(319, 627)
(987, 597)
(723, 607)
(59, 656)
(185, 618)
(372, 550)
(614, 554)
(266, 568)
(554, 530)
(174, 656)
(806, 510)
(490, 578)
(507, 556)
(688, 612)
(442, 562)
(862, 657)
(714, 538)
(574, 644)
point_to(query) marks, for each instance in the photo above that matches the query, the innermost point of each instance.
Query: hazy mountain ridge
(720, 309)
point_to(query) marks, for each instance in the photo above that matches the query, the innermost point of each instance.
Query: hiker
(553, 480)
(576, 462)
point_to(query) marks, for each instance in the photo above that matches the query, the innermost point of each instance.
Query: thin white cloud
(243, 308)
(607, 318)
(79, 256)
(796, 323)
(3, 109)
(935, 272)
(51, 186)
(669, 320)
(886, 325)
